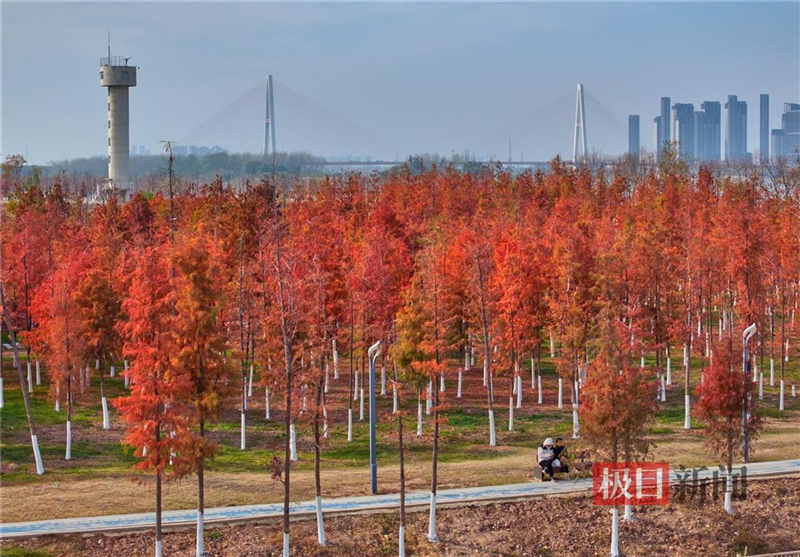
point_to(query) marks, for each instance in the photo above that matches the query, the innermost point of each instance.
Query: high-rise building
(777, 144)
(657, 136)
(633, 134)
(790, 123)
(707, 125)
(763, 127)
(735, 129)
(683, 129)
(665, 120)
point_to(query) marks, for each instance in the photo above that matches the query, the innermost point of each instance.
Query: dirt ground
(101, 480)
(767, 521)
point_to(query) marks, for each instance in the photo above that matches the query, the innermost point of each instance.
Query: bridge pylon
(580, 128)
(269, 118)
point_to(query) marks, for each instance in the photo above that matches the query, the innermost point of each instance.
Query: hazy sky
(427, 77)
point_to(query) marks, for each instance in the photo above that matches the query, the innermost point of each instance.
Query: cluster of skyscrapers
(719, 129)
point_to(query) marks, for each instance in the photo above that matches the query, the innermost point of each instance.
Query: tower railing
(114, 61)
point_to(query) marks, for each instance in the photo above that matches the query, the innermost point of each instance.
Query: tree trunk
(402, 533)
(317, 480)
(31, 427)
(158, 490)
(435, 468)
(687, 420)
(103, 399)
(614, 531)
(200, 493)
(287, 353)
(783, 349)
(419, 412)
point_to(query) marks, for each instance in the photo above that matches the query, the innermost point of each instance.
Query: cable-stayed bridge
(304, 125)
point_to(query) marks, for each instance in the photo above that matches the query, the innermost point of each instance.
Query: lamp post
(373, 353)
(746, 336)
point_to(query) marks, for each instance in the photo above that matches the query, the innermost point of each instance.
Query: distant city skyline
(429, 77)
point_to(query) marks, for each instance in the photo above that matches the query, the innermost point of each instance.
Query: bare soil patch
(765, 522)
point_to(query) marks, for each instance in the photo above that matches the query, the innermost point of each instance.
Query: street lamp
(746, 336)
(373, 353)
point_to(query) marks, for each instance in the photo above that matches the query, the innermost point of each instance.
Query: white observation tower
(118, 76)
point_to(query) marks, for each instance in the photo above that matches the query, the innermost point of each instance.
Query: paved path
(144, 521)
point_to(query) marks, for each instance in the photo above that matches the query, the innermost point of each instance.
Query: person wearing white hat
(546, 456)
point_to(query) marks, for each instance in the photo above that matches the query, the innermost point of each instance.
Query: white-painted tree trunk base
(68, 455)
(728, 493)
(492, 431)
(266, 404)
(355, 387)
(441, 383)
(349, 425)
(127, 381)
(781, 399)
(37, 454)
(511, 413)
(432, 520)
(794, 391)
(113, 372)
(663, 389)
(335, 351)
(30, 378)
(419, 417)
(383, 381)
(560, 393)
(58, 405)
(519, 391)
(552, 346)
(200, 542)
(38, 373)
(669, 371)
(250, 385)
(760, 386)
(158, 548)
(106, 423)
(320, 523)
(576, 427)
(539, 389)
(394, 398)
(285, 544)
(243, 444)
(293, 442)
(326, 381)
(458, 391)
(628, 515)
(614, 532)
(687, 419)
(429, 398)
(771, 372)
(325, 431)
(2, 401)
(401, 544)
(361, 407)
